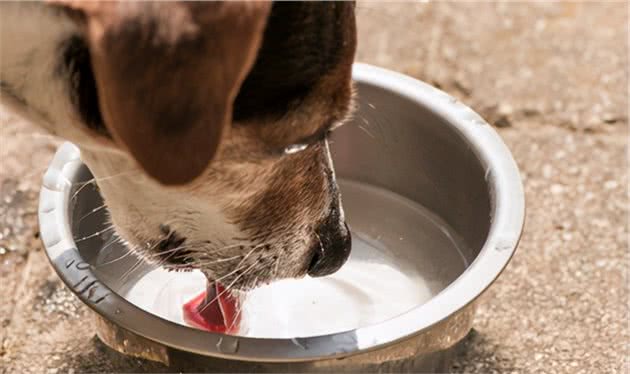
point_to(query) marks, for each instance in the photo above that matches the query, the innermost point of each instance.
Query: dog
(204, 124)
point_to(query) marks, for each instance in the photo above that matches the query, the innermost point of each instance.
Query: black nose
(331, 250)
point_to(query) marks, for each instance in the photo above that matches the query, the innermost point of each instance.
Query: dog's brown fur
(151, 108)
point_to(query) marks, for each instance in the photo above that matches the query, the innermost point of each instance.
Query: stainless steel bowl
(429, 148)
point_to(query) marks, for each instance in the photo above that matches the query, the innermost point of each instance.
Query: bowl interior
(414, 192)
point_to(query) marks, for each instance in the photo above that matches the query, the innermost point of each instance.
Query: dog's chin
(257, 265)
(240, 266)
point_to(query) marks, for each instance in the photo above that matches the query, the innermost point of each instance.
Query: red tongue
(217, 316)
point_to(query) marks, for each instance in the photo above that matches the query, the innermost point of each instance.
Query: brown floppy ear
(167, 75)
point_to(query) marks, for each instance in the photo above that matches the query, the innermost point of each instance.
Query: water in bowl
(402, 255)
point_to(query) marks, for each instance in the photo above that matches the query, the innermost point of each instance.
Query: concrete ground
(553, 79)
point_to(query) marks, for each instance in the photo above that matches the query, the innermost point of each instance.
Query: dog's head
(205, 125)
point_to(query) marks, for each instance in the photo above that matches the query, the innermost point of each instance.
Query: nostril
(315, 260)
(331, 251)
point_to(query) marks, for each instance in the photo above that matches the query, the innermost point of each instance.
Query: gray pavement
(553, 79)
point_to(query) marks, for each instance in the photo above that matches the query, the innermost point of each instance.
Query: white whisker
(367, 131)
(94, 180)
(133, 268)
(113, 240)
(98, 233)
(126, 254)
(92, 212)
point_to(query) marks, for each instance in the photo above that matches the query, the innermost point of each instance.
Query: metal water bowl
(431, 149)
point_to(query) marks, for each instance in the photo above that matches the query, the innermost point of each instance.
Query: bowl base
(124, 342)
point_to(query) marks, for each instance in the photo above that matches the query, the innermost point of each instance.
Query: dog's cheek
(292, 198)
